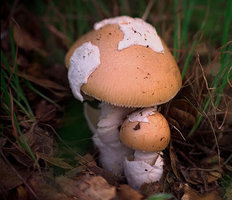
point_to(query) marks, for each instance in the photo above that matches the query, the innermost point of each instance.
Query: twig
(178, 131)
(228, 78)
(148, 9)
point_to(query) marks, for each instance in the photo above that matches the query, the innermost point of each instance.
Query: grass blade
(176, 30)
(224, 71)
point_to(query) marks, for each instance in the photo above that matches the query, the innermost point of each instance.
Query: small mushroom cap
(135, 76)
(153, 135)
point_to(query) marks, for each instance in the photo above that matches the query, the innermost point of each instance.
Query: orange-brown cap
(136, 76)
(153, 135)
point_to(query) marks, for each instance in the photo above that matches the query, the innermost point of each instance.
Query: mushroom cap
(153, 135)
(135, 76)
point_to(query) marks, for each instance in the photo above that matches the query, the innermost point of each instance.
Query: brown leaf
(65, 39)
(173, 161)
(85, 164)
(39, 139)
(183, 117)
(125, 192)
(212, 163)
(45, 112)
(195, 177)
(22, 193)
(173, 122)
(34, 69)
(202, 49)
(111, 178)
(43, 82)
(54, 161)
(190, 194)
(213, 176)
(20, 156)
(46, 191)
(24, 40)
(9, 178)
(228, 192)
(88, 187)
(58, 77)
(88, 160)
(183, 112)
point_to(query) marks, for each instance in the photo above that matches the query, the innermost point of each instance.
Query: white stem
(106, 138)
(147, 167)
(148, 157)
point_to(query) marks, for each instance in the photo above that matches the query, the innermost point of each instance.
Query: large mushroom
(124, 64)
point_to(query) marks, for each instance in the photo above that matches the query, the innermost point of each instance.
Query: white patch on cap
(141, 115)
(136, 32)
(84, 60)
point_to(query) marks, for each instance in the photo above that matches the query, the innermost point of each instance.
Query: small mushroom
(152, 134)
(147, 135)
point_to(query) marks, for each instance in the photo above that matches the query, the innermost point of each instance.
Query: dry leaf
(183, 112)
(43, 82)
(213, 176)
(173, 161)
(8, 179)
(84, 164)
(65, 39)
(184, 118)
(46, 191)
(173, 122)
(22, 193)
(34, 69)
(24, 40)
(202, 49)
(228, 192)
(45, 112)
(88, 187)
(19, 154)
(88, 160)
(190, 194)
(125, 192)
(58, 77)
(54, 161)
(39, 140)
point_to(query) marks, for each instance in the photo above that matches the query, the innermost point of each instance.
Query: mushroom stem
(138, 166)
(147, 167)
(106, 138)
(148, 157)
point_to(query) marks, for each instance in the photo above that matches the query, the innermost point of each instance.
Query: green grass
(176, 43)
(221, 80)
(160, 197)
(13, 100)
(12, 95)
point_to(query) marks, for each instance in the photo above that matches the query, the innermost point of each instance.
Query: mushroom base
(147, 167)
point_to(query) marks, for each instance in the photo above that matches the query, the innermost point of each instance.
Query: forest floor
(45, 143)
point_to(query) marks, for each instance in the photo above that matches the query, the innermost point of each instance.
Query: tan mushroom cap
(136, 76)
(146, 136)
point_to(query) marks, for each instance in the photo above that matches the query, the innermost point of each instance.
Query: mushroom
(124, 64)
(147, 132)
